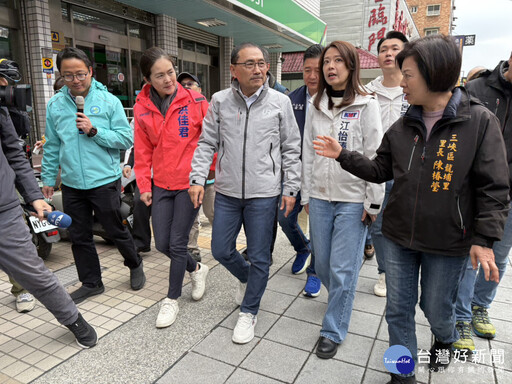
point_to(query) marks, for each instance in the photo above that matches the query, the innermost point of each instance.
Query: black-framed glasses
(251, 64)
(79, 76)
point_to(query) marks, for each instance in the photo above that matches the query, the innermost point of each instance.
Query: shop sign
(382, 16)
(47, 65)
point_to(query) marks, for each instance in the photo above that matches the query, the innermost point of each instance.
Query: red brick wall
(423, 21)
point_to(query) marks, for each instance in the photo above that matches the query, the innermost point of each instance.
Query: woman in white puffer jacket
(339, 204)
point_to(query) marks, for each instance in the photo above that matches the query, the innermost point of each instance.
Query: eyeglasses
(189, 84)
(251, 64)
(79, 76)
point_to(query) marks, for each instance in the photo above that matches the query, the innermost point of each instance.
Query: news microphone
(60, 219)
(80, 103)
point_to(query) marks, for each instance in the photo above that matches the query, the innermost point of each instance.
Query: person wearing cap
(190, 81)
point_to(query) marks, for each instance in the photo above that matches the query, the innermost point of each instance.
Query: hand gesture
(327, 146)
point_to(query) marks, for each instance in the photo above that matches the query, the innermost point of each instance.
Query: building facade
(432, 16)
(200, 34)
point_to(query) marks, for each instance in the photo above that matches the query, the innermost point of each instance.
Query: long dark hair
(354, 87)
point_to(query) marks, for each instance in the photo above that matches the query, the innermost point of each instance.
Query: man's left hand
(40, 206)
(485, 256)
(287, 203)
(83, 123)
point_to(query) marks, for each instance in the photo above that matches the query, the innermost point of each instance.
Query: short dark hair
(150, 56)
(235, 53)
(313, 52)
(392, 35)
(438, 59)
(72, 53)
(59, 83)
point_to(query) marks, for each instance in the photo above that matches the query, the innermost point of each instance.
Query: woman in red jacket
(168, 121)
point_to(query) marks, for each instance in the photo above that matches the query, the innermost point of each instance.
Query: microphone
(60, 219)
(80, 102)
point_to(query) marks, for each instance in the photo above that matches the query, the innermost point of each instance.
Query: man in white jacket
(392, 105)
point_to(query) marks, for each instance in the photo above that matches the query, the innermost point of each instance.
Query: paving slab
(267, 359)
(194, 368)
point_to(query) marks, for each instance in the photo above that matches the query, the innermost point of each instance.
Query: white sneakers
(169, 308)
(198, 280)
(380, 287)
(25, 302)
(168, 312)
(244, 330)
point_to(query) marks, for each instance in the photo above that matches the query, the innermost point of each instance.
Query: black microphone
(80, 102)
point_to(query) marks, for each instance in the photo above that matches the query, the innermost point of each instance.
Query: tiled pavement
(198, 347)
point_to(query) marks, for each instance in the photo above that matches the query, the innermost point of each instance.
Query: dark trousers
(141, 227)
(173, 216)
(18, 258)
(105, 201)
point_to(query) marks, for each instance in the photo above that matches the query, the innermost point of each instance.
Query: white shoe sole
(242, 341)
(306, 265)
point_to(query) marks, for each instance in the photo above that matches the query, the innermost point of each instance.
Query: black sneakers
(85, 334)
(440, 356)
(137, 277)
(84, 292)
(397, 379)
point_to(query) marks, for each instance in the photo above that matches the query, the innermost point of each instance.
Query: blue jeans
(474, 290)
(380, 242)
(293, 232)
(440, 277)
(338, 235)
(258, 216)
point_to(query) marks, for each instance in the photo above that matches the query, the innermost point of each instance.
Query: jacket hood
(496, 78)
(376, 84)
(144, 96)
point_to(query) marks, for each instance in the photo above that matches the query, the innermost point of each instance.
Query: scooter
(97, 229)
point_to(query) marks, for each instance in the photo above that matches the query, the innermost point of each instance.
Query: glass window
(64, 10)
(431, 31)
(188, 45)
(98, 20)
(434, 10)
(414, 9)
(188, 66)
(201, 48)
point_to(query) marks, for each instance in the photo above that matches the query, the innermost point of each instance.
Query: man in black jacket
(494, 89)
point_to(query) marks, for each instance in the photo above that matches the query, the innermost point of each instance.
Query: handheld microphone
(80, 103)
(60, 219)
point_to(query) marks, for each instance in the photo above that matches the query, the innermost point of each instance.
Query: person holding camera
(18, 255)
(86, 146)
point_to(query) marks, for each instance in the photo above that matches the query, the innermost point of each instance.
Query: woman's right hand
(327, 146)
(147, 198)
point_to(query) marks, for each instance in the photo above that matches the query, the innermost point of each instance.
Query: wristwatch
(92, 132)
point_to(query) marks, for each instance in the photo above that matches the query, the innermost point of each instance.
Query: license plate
(129, 219)
(40, 226)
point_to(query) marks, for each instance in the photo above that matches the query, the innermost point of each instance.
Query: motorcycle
(97, 229)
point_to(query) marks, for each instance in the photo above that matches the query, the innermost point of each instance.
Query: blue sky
(491, 22)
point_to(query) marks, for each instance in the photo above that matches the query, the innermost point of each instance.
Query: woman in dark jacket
(447, 158)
